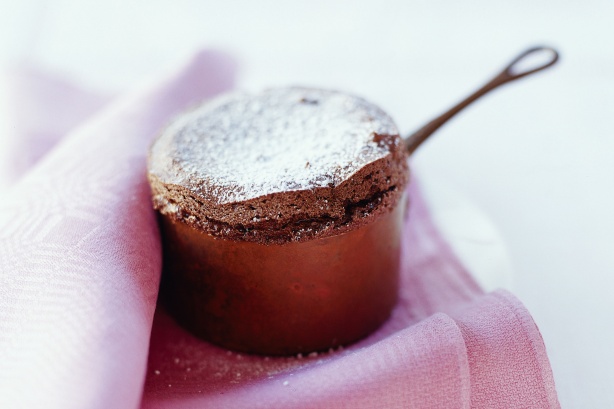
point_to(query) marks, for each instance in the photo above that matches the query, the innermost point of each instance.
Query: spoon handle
(508, 74)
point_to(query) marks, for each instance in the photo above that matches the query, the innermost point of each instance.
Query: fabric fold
(80, 254)
(507, 357)
(423, 366)
(40, 108)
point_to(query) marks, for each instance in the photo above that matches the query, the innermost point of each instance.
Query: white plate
(471, 234)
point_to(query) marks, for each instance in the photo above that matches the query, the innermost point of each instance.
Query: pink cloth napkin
(80, 267)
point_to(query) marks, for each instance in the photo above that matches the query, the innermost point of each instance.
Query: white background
(535, 157)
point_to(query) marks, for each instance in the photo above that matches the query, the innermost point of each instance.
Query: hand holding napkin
(80, 264)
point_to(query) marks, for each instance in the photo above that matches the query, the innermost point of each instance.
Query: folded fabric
(41, 109)
(80, 265)
(80, 253)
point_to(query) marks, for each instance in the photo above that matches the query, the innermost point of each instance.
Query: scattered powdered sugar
(239, 146)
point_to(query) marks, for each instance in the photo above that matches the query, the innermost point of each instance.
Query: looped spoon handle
(508, 74)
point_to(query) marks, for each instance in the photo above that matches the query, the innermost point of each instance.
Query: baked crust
(287, 164)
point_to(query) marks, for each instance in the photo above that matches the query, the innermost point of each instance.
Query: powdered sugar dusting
(239, 147)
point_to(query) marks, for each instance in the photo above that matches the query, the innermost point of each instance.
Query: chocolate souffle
(280, 214)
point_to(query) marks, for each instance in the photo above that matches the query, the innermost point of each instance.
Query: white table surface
(535, 157)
